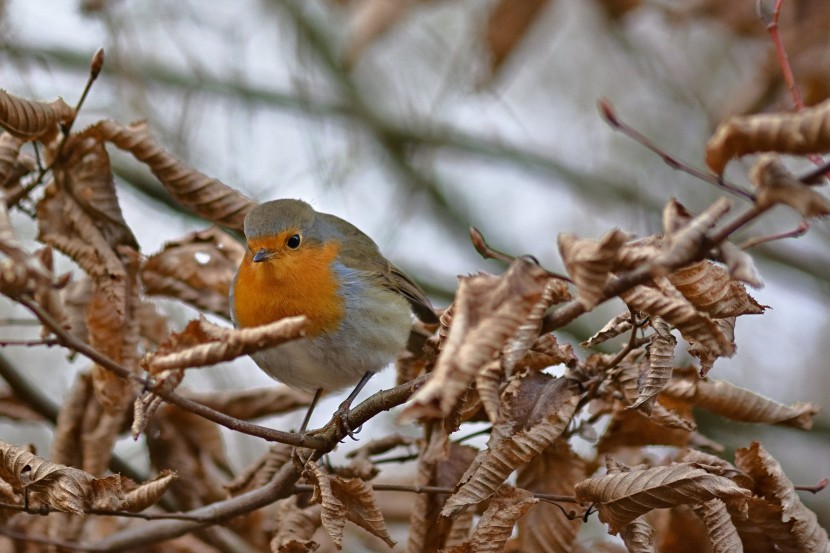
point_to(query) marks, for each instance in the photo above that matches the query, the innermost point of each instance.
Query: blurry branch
(26, 392)
(73, 343)
(35, 399)
(393, 135)
(281, 486)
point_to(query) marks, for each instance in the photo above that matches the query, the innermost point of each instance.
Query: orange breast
(300, 282)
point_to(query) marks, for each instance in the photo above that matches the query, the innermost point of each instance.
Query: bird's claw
(341, 417)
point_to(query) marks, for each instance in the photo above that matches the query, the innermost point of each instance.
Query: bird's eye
(293, 241)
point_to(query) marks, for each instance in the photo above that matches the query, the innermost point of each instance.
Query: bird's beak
(263, 255)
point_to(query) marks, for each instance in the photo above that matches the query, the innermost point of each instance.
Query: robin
(358, 304)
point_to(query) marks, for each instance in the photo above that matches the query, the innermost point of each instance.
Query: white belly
(375, 331)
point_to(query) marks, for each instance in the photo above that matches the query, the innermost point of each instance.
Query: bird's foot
(341, 418)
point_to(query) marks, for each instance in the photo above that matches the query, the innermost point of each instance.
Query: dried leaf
(621, 498)
(613, 328)
(70, 424)
(777, 491)
(739, 404)
(546, 352)
(527, 334)
(197, 269)
(440, 463)
(489, 311)
(590, 263)
(9, 152)
(343, 499)
(740, 264)
(192, 447)
(29, 120)
(497, 522)
(65, 226)
(296, 526)
(804, 132)
(208, 198)
(666, 302)
(83, 171)
(722, 533)
(660, 365)
(148, 493)
(776, 185)
(261, 471)
(555, 471)
(538, 408)
(683, 242)
(235, 343)
(710, 289)
(708, 357)
(638, 536)
(508, 23)
(629, 428)
(60, 487)
(628, 382)
(488, 385)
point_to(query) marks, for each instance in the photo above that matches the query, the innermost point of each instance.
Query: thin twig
(610, 116)
(800, 230)
(488, 252)
(815, 488)
(771, 22)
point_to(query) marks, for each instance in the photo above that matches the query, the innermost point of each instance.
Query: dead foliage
(495, 358)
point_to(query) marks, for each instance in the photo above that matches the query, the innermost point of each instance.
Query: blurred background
(415, 119)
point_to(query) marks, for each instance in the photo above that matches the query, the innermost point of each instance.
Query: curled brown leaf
(296, 527)
(613, 328)
(666, 302)
(538, 408)
(489, 311)
(660, 365)
(710, 289)
(209, 198)
(197, 269)
(28, 119)
(234, 343)
(779, 496)
(638, 536)
(84, 172)
(718, 522)
(733, 402)
(591, 262)
(621, 498)
(60, 487)
(776, 185)
(342, 499)
(555, 471)
(508, 505)
(148, 493)
(805, 132)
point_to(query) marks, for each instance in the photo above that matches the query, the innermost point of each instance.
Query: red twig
(771, 22)
(814, 489)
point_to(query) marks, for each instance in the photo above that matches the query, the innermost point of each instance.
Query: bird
(359, 305)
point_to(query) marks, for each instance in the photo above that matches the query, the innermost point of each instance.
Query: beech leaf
(621, 498)
(342, 499)
(488, 312)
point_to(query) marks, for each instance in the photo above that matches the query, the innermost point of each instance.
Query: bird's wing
(358, 251)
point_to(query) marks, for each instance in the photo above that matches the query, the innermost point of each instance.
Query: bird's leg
(342, 413)
(311, 406)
